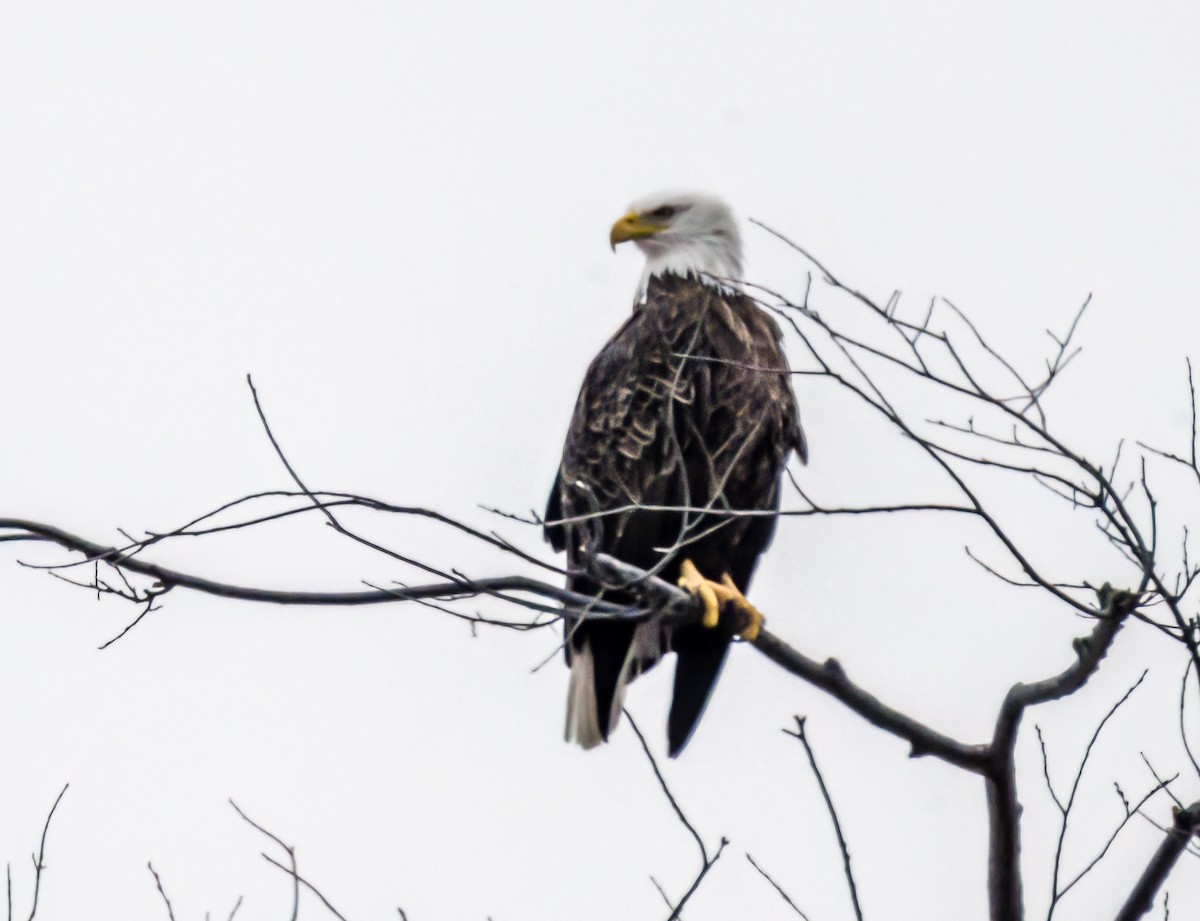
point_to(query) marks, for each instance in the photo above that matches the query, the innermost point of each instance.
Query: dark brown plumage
(689, 405)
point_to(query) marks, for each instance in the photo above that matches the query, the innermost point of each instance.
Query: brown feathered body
(686, 414)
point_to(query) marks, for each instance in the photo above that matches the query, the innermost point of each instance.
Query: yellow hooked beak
(632, 227)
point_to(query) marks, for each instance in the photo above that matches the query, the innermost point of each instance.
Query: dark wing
(614, 463)
(688, 406)
(737, 457)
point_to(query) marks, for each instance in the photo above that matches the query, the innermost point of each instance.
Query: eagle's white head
(681, 233)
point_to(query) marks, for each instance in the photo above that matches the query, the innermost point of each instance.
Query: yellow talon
(752, 617)
(716, 594)
(690, 579)
(712, 607)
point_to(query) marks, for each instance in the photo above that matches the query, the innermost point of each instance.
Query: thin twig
(662, 782)
(675, 914)
(306, 884)
(1055, 892)
(291, 852)
(161, 891)
(783, 895)
(1183, 829)
(837, 826)
(39, 863)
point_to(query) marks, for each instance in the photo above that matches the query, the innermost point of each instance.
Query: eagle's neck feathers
(714, 259)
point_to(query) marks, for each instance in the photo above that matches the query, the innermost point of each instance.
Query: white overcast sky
(396, 218)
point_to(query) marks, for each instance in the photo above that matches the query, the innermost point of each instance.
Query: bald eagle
(685, 418)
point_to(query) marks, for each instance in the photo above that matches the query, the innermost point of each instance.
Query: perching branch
(166, 579)
(831, 678)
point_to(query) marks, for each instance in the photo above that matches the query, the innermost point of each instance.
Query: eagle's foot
(747, 620)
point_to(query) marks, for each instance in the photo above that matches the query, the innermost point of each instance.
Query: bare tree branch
(170, 578)
(706, 862)
(783, 895)
(830, 677)
(1130, 812)
(291, 871)
(291, 852)
(1183, 829)
(39, 861)
(662, 782)
(1055, 892)
(161, 891)
(1004, 839)
(837, 825)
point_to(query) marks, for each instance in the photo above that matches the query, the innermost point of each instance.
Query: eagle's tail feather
(583, 725)
(601, 668)
(700, 654)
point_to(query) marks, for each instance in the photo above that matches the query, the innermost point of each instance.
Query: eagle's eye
(665, 213)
